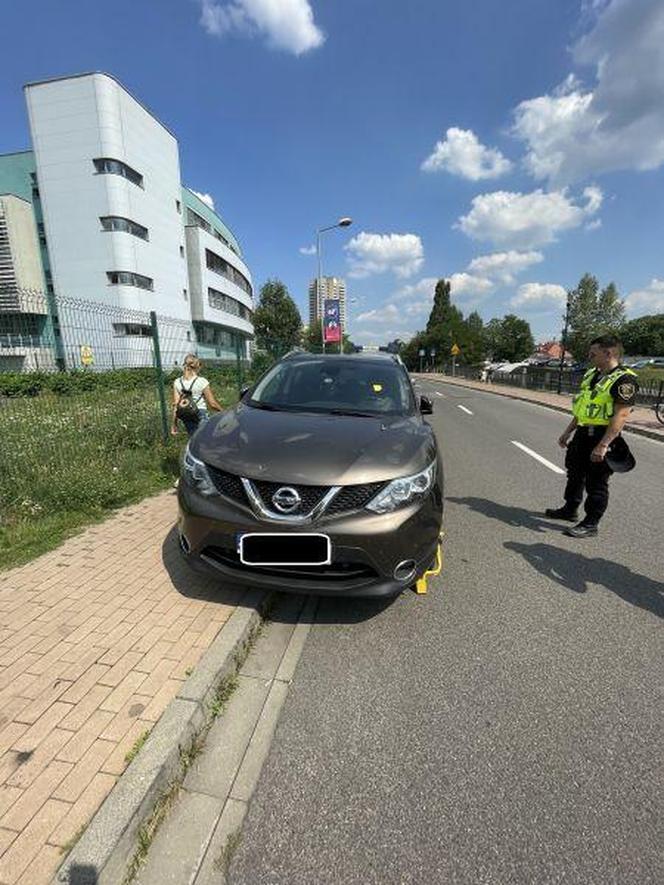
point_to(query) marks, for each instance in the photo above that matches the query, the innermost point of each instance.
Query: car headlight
(403, 491)
(196, 474)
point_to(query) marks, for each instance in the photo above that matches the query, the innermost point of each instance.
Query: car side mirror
(426, 406)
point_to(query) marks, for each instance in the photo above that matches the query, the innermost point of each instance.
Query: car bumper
(366, 548)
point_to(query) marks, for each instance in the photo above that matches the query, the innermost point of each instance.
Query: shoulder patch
(626, 389)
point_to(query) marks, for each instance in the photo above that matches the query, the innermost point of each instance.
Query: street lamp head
(345, 222)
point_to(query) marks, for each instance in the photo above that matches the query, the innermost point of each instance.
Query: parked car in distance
(324, 479)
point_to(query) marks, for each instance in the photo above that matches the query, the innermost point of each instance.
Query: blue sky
(508, 146)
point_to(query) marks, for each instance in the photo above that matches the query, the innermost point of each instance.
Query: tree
(411, 352)
(445, 325)
(509, 339)
(644, 336)
(277, 321)
(472, 344)
(493, 338)
(517, 339)
(312, 339)
(593, 313)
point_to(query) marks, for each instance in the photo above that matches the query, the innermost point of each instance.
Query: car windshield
(336, 386)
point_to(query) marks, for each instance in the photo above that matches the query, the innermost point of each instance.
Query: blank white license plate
(266, 548)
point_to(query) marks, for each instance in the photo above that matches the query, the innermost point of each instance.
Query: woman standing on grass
(192, 397)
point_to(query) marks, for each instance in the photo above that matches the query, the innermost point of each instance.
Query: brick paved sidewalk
(95, 640)
(640, 418)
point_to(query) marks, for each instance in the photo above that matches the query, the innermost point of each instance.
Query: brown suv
(323, 479)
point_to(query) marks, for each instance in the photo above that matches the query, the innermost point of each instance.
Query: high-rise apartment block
(97, 212)
(329, 288)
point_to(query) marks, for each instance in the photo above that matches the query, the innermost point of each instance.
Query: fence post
(160, 374)
(238, 363)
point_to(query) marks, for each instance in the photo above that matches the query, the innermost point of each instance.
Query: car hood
(292, 447)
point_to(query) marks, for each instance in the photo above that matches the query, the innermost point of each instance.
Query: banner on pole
(331, 321)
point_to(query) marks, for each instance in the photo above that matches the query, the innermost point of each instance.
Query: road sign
(422, 351)
(456, 350)
(433, 351)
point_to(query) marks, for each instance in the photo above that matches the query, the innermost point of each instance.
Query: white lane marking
(441, 394)
(464, 409)
(537, 457)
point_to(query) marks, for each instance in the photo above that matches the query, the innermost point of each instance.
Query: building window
(214, 336)
(220, 301)
(125, 278)
(217, 264)
(42, 239)
(188, 335)
(184, 294)
(33, 177)
(35, 193)
(196, 220)
(178, 206)
(181, 251)
(49, 288)
(135, 330)
(106, 166)
(126, 225)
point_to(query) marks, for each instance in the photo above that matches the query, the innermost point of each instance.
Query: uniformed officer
(600, 409)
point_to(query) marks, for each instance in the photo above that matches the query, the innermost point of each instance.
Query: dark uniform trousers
(584, 474)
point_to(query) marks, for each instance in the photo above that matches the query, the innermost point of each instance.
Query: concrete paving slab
(180, 844)
(214, 771)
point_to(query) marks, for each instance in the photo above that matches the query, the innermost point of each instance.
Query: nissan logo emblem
(286, 499)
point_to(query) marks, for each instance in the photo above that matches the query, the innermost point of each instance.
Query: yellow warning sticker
(377, 387)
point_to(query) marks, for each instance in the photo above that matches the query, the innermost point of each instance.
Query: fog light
(185, 546)
(405, 571)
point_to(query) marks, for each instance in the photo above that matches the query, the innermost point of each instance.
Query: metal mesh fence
(539, 378)
(86, 392)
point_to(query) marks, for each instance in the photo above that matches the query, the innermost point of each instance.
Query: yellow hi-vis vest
(594, 406)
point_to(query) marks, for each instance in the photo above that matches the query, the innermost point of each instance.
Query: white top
(196, 385)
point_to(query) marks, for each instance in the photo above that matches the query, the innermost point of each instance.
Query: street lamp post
(563, 345)
(343, 222)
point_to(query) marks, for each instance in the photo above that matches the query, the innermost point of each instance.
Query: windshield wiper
(352, 414)
(268, 407)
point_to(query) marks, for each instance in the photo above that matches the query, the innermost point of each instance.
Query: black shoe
(582, 530)
(562, 513)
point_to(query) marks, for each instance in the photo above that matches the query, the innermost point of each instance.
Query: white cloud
(426, 286)
(461, 153)
(594, 225)
(386, 314)
(523, 221)
(403, 254)
(504, 266)
(617, 124)
(468, 284)
(307, 250)
(286, 24)
(372, 336)
(206, 198)
(542, 296)
(646, 301)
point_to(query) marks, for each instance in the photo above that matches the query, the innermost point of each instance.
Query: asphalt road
(509, 726)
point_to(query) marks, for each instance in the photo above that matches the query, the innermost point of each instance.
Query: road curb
(104, 851)
(640, 431)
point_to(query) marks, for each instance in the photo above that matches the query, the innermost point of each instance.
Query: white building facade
(114, 219)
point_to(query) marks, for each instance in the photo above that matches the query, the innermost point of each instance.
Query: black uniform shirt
(623, 390)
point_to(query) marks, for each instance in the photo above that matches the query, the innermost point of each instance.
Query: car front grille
(227, 484)
(310, 495)
(356, 572)
(347, 500)
(351, 498)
